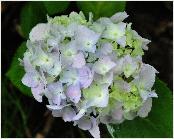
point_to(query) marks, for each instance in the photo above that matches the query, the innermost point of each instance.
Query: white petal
(55, 107)
(122, 41)
(79, 115)
(103, 65)
(146, 77)
(147, 94)
(119, 17)
(86, 39)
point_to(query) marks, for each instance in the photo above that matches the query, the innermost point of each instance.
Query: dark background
(22, 116)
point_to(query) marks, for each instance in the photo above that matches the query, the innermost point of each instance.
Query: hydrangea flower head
(91, 71)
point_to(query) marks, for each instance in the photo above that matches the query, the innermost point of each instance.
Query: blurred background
(21, 115)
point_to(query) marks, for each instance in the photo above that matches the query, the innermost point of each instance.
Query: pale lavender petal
(69, 76)
(30, 79)
(56, 99)
(39, 32)
(78, 61)
(68, 114)
(95, 132)
(73, 92)
(85, 76)
(146, 108)
(85, 123)
(55, 87)
(38, 92)
(106, 48)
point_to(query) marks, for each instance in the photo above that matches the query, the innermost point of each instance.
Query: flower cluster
(90, 71)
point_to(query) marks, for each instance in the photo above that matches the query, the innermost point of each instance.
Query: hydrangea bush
(91, 71)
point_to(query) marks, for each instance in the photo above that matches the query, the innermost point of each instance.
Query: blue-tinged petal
(84, 123)
(55, 107)
(55, 87)
(73, 92)
(106, 48)
(103, 65)
(95, 132)
(146, 108)
(147, 94)
(78, 61)
(104, 21)
(97, 27)
(85, 76)
(68, 114)
(69, 76)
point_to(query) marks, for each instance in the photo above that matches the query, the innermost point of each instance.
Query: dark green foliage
(101, 8)
(54, 7)
(16, 72)
(31, 14)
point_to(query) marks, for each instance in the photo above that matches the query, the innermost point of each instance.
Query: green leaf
(31, 14)
(157, 124)
(101, 8)
(54, 7)
(16, 71)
